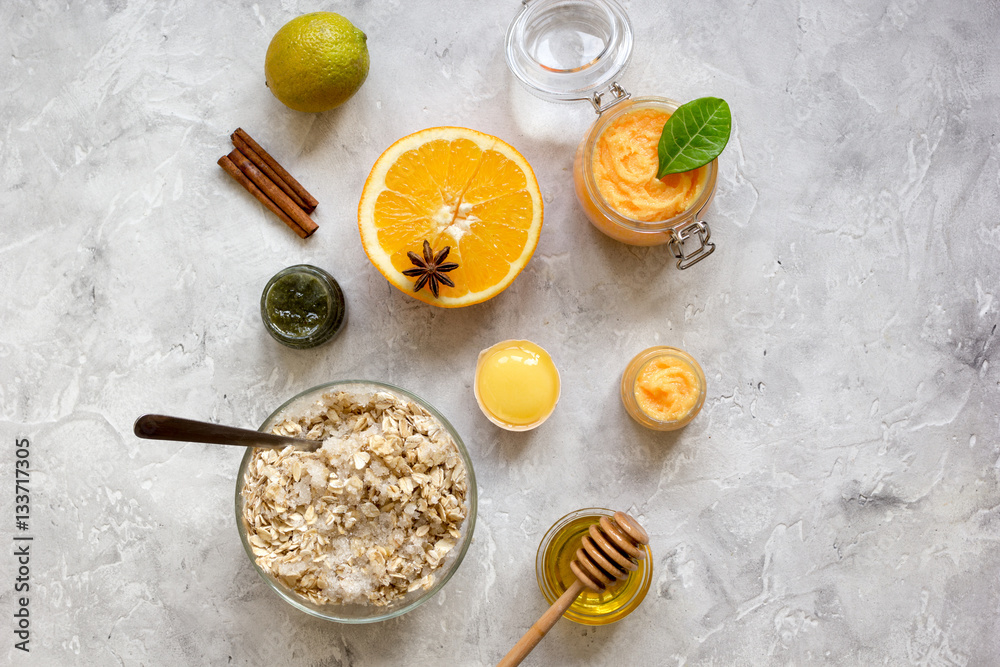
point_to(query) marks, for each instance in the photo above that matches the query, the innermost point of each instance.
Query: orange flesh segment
(444, 191)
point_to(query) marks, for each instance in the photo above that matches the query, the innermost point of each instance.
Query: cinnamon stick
(308, 202)
(262, 164)
(241, 178)
(273, 192)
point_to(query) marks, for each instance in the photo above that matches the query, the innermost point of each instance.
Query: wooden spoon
(609, 553)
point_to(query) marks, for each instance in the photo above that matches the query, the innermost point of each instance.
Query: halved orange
(455, 187)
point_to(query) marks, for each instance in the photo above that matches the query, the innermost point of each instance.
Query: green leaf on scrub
(694, 135)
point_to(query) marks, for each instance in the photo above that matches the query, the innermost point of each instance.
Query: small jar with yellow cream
(663, 388)
(516, 385)
(576, 50)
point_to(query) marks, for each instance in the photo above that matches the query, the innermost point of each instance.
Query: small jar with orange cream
(570, 50)
(663, 388)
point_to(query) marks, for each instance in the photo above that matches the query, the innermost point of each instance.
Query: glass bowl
(356, 613)
(558, 547)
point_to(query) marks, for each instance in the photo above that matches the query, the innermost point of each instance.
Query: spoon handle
(162, 427)
(542, 626)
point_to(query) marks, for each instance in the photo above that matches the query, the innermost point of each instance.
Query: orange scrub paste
(625, 163)
(667, 388)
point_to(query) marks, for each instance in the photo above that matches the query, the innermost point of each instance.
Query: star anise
(430, 268)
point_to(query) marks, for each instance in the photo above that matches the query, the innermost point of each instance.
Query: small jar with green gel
(303, 306)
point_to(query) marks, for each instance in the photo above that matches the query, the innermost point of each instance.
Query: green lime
(316, 62)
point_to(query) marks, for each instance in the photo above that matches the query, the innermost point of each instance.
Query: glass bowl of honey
(558, 549)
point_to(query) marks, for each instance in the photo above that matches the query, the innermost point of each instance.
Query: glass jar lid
(570, 49)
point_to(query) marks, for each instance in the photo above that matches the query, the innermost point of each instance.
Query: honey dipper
(609, 553)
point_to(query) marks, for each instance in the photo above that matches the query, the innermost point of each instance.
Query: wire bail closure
(615, 89)
(697, 228)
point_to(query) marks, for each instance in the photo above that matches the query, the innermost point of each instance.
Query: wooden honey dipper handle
(608, 553)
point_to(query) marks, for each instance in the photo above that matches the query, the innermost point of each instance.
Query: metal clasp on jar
(619, 95)
(699, 229)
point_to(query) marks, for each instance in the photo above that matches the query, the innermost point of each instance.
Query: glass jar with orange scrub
(663, 388)
(614, 175)
(516, 385)
(569, 50)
